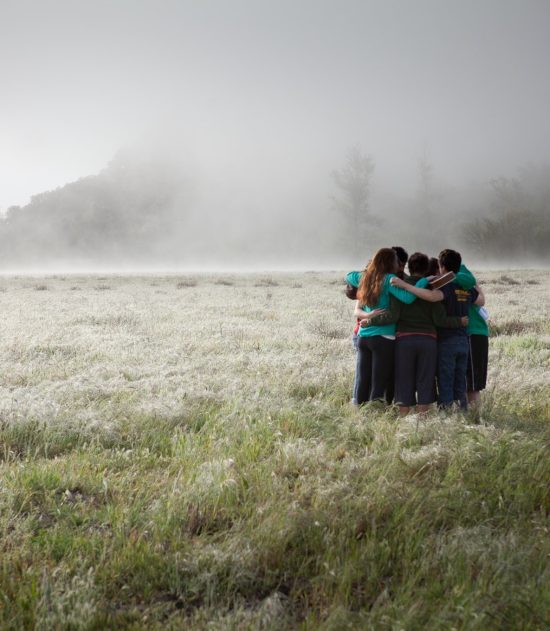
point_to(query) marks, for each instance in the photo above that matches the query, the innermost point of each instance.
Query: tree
(426, 188)
(354, 184)
(518, 226)
(426, 225)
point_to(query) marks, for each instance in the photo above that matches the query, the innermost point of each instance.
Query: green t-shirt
(477, 324)
(465, 278)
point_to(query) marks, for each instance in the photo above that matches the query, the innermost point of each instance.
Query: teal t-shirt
(353, 278)
(465, 278)
(384, 303)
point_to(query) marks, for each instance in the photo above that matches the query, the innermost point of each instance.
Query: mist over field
(260, 135)
(182, 183)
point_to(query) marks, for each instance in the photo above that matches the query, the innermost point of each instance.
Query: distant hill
(129, 212)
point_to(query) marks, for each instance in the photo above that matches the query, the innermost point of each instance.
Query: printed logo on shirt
(462, 295)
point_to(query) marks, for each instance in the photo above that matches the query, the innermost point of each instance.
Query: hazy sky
(276, 90)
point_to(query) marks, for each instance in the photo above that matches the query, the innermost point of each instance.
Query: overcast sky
(274, 87)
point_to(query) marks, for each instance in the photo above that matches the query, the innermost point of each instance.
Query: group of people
(421, 337)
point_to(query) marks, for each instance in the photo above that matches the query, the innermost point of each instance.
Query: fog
(174, 134)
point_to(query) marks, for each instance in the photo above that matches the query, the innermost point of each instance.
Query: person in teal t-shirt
(376, 343)
(352, 284)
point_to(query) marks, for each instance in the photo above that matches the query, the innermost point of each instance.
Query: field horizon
(178, 450)
(131, 270)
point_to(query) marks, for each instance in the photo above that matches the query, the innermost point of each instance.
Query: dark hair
(350, 291)
(418, 264)
(383, 262)
(401, 253)
(450, 260)
(433, 268)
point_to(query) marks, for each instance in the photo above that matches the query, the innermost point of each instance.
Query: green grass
(290, 510)
(333, 520)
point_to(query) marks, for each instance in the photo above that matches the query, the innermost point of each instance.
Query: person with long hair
(353, 279)
(376, 343)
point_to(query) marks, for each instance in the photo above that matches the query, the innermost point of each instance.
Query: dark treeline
(116, 216)
(518, 224)
(149, 212)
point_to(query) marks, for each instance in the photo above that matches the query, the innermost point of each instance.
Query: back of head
(401, 254)
(382, 263)
(450, 260)
(418, 264)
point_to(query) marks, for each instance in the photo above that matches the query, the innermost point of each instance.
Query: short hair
(418, 264)
(401, 253)
(450, 260)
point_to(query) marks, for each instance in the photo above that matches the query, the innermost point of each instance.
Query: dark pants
(476, 377)
(415, 367)
(354, 340)
(452, 362)
(375, 368)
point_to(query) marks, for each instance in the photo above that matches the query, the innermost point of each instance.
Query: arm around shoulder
(464, 278)
(431, 295)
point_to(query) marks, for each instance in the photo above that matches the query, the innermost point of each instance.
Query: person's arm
(480, 300)
(389, 316)
(403, 291)
(361, 314)
(464, 278)
(365, 316)
(443, 321)
(431, 295)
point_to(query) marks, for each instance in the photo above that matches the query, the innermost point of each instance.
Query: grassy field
(180, 452)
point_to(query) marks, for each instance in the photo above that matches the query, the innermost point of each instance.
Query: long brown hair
(383, 262)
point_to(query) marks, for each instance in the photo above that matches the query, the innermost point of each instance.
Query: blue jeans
(452, 364)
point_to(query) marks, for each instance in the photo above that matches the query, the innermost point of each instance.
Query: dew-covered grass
(180, 452)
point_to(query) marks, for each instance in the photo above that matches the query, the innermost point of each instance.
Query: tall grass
(230, 485)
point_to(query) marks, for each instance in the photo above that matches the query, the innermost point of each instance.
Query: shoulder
(353, 278)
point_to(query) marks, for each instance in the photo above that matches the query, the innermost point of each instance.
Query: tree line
(142, 211)
(505, 221)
